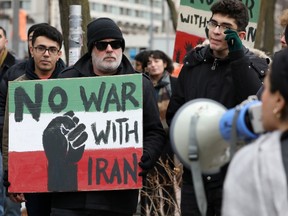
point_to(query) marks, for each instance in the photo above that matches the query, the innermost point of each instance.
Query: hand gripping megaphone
(203, 132)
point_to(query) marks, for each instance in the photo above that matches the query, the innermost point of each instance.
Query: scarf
(3, 56)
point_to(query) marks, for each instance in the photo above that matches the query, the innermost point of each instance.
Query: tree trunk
(64, 14)
(174, 14)
(269, 27)
(265, 28)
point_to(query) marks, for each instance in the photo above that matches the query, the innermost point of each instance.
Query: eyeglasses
(102, 45)
(42, 49)
(211, 25)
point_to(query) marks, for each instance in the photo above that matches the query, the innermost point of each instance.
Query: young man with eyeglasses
(45, 63)
(105, 57)
(224, 71)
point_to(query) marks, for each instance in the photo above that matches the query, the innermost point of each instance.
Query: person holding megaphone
(256, 181)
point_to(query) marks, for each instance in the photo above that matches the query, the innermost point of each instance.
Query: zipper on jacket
(214, 64)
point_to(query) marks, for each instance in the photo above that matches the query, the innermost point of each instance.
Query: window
(25, 5)
(5, 4)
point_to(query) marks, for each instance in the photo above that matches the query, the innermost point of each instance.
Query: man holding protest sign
(105, 58)
(44, 64)
(224, 71)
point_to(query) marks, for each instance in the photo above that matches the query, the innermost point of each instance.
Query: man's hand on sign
(17, 197)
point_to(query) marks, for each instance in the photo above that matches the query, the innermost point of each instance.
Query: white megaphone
(203, 132)
(208, 125)
(196, 123)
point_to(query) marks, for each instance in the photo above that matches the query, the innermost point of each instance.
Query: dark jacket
(9, 61)
(228, 81)
(124, 201)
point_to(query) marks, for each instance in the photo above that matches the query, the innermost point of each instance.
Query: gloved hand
(233, 40)
(146, 163)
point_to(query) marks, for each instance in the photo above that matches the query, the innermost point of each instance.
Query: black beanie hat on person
(103, 28)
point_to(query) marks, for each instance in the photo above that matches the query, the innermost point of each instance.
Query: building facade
(146, 24)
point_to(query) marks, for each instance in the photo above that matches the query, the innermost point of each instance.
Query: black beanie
(103, 28)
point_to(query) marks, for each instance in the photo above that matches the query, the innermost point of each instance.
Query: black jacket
(124, 201)
(228, 81)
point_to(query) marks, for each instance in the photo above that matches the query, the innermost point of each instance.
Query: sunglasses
(102, 45)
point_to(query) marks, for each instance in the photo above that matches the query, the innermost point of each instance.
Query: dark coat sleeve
(3, 95)
(177, 99)
(11, 74)
(154, 137)
(246, 78)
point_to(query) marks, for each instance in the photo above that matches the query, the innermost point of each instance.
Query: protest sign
(192, 20)
(77, 134)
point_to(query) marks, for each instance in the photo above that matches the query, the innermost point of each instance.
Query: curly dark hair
(234, 9)
(158, 54)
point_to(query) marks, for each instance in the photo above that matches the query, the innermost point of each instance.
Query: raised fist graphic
(64, 143)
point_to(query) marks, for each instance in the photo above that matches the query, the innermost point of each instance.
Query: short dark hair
(33, 27)
(4, 31)
(234, 9)
(158, 54)
(142, 57)
(49, 32)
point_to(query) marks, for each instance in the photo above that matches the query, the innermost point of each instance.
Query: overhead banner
(192, 20)
(77, 134)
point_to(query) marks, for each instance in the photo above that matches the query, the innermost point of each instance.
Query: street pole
(75, 34)
(15, 38)
(151, 26)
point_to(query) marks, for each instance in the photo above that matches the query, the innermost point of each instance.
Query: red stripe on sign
(111, 169)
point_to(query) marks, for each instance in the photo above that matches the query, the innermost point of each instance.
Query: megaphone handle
(195, 168)
(234, 132)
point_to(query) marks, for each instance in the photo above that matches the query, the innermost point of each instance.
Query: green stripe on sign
(198, 4)
(92, 94)
(252, 5)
